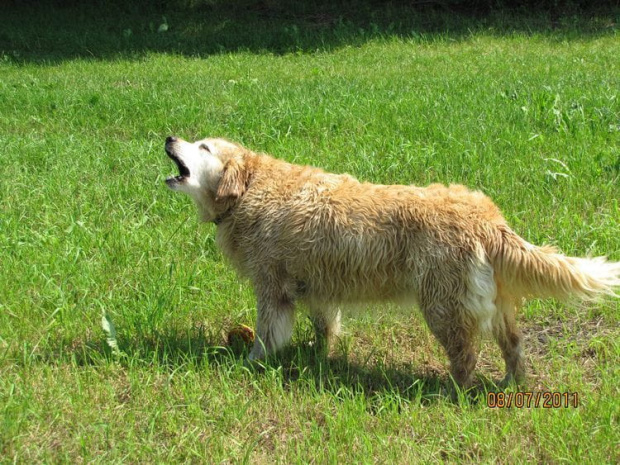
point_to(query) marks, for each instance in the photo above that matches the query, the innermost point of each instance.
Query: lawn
(526, 110)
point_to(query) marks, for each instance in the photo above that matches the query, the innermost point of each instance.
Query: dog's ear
(233, 182)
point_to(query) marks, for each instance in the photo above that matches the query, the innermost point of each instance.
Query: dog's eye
(205, 147)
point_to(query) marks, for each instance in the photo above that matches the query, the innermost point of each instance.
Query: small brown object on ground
(240, 334)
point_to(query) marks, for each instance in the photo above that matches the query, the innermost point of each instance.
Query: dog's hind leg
(456, 299)
(458, 339)
(274, 321)
(326, 321)
(508, 337)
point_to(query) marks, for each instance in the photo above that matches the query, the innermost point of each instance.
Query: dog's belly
(356, 292)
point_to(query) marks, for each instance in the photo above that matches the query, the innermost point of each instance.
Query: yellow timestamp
(533, 399)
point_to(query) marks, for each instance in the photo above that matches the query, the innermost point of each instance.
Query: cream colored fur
(301, 234)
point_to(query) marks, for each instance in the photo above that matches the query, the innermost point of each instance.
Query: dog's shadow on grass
(299, 365)
(343, 374)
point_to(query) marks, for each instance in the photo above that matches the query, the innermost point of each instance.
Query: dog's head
(211, 171)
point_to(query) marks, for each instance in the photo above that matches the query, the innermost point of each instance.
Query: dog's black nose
(170, 139)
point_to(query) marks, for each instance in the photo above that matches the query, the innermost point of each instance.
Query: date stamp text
(533, 399)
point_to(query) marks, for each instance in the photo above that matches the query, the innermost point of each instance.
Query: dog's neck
(224, 210)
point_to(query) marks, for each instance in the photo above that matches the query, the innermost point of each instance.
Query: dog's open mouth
(183, 169)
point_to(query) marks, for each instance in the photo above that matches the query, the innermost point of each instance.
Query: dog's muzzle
(170, 148)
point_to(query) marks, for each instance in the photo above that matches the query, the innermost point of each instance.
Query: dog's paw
(257, 352)
(511, 381)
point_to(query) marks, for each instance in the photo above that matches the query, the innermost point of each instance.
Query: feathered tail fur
(528, 270)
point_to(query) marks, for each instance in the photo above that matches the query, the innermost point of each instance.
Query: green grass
(526, 113)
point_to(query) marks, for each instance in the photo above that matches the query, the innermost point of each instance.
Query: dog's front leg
(274, 322)
(326, 321)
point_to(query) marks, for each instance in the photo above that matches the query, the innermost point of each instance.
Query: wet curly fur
(300, 234)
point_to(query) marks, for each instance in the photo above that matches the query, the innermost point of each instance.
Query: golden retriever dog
(300, 234)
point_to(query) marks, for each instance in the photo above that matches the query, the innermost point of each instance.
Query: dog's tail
(531, 271)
